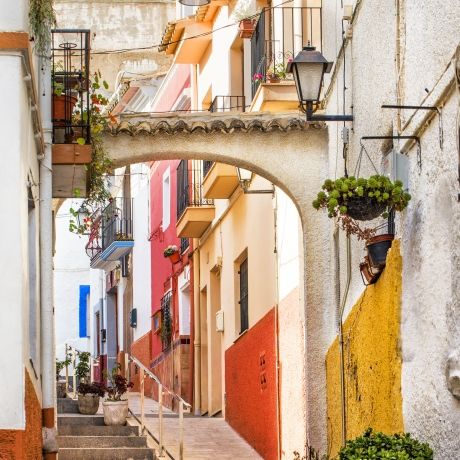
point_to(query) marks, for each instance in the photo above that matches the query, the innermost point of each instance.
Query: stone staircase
(85, 437)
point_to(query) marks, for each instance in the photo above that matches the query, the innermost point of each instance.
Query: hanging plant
(101, 164)
(42, 18)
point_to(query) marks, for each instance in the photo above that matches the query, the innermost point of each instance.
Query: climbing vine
(42, 18)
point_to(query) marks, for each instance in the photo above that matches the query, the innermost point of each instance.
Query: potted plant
(353, 199)
(115, 407)
(173, 253)
(63, 105)
(61, 387)
(247, 27)
(379, 445)
(276, 73)
(88, 397)
(82, 369)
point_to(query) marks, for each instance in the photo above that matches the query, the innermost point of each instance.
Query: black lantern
(194, 2)
(83, 215)
(308, 68)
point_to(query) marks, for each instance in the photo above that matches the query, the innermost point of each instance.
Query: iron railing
(184, 244)
(117, 221)
(279, 35)
(166, 321)
(207, 166)
(228, 104)
(70, 51)
(190, 188)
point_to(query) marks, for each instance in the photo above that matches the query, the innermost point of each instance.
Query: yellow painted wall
(372, 360)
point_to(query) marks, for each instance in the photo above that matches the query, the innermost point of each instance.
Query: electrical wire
(204, 34)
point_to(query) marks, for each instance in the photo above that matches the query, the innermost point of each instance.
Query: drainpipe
(46, 273)
(197, 332)
(343, 406)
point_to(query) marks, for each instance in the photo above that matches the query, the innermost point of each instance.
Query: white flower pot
(115, 412)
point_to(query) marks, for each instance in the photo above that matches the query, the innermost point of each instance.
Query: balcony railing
(70, 85)
(117, 221)
(279, 35)
(190, 188)
(207, 166)
(228, 104)
(113, 223)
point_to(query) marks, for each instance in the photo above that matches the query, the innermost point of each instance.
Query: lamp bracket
(311, 117)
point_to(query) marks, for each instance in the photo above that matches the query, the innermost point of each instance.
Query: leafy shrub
(336, 194)
(118, 384)
(378, 446)
(83, 369)
(94, 388)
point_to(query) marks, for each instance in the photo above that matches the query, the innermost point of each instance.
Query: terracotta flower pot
(88, 404)
(247, 27)
(115, 412)
(274, 79)
(377, 249)
(60, 104)
(369, 274)
(174, 257)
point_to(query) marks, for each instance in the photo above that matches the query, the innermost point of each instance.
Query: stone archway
(290, 153)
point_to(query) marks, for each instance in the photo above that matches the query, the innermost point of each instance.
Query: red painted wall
(141, 349)
(24, 444)
(250, 387)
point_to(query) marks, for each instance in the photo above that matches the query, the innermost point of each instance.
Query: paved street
(204, 437)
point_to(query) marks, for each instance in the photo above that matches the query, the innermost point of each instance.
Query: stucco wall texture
(250, 387)
(372, 360)
(24, 444)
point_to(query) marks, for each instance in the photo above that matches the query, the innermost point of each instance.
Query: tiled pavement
(205, 438)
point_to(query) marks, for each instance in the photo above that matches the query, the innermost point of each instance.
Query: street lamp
(194, 2)
(83, 219)
(309, 67)
(245, 178)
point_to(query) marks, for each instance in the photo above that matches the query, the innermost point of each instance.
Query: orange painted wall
(250, 387)
(141, 350)
(24, 444)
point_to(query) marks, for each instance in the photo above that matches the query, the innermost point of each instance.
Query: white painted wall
(71, 269)
(140, 191)
(20, 164)
(14, 17)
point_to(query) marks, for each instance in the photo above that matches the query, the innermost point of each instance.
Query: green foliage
(118, 385)
(277, 71)
(170, 250)
(42, 18)
(101, 164)
(335, 195)
(377, 445)
(82, 369)
(60, 366)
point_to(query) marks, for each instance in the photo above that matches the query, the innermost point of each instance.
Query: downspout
(46, 273)
(197, 329)
(192, 325)
(277, 342)
(341, 345)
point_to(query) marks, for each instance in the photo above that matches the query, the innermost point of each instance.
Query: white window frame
(166, 199)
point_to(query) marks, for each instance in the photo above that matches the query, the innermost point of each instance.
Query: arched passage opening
(291, 155)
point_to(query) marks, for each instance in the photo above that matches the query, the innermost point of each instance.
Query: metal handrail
(182, 404)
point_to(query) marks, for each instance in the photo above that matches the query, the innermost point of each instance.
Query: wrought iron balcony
(194, 211)
(279, 35)
(111, 235)
(228, 104)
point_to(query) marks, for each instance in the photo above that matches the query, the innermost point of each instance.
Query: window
(166, 320)
(243, 282)
(182, 188)
(166, 199)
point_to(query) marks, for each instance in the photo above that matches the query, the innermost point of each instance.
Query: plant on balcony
(115, 407)
(98, 192)
(258, 78)
(276, 73)
(42, 18)
(172, 252)
(375, 445)
(88, 397)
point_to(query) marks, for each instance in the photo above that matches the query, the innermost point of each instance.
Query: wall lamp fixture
(308, 68)
(245, 178)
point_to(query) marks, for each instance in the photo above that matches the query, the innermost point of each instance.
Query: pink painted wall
(178, 80)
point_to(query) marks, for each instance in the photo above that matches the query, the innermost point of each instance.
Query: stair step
(121, 453)
(77, 419)
(89, 430)
(101, 441)
(67, 406)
